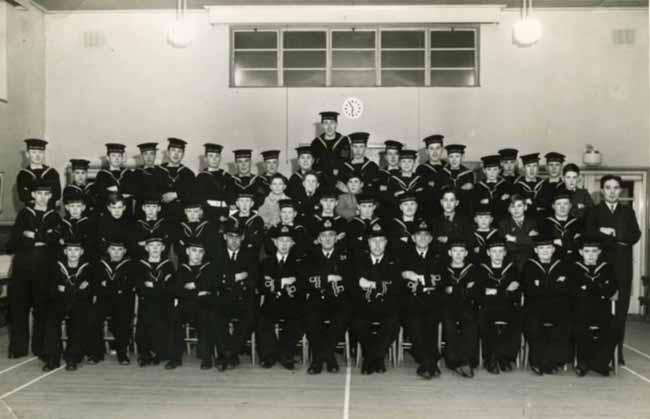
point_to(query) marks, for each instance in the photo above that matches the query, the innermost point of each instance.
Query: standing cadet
(79, 185)
(422, 303)
(366, 169)
(37, 172)
(508, 162)
(282, 289)
(592, 285)
(327, 307)
(115, 221)
(617, 226)
(149, 176)
(327, 211)
(375, 293)
(212, 185)
(460, 286)
(455, 174)
(305, 160)
(431, 171)
(500, 314)
(581, 200)
(194, 228)
(250, 222)
(236, 283)
(78, 227)
(358, 227)
(483, 232)
(179, 180)
(308, 198)
(271, 168)
(391, 156)
(33, 242)
(244, 180)
(450, 224)
(116, 178)
(529, 185)
(554, 162)
(562, 226)
(151, 222)
(492, 191)
(405, 181)
(400, 228)
(288, 214)
(330, 148)
(518, 230)
(547, 314)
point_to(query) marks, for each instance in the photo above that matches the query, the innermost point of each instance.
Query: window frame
(378, 29)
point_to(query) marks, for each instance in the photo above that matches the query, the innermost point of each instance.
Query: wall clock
(352, 108)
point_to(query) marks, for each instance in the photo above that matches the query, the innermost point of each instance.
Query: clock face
(352, 108)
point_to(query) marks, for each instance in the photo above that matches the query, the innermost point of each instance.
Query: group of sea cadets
(340, 245)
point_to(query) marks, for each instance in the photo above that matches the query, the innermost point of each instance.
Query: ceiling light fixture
(181, 32)
(528, 30)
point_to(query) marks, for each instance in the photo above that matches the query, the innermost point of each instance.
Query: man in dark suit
(617, 227)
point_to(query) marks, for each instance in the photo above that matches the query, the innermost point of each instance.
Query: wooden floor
(111, 391)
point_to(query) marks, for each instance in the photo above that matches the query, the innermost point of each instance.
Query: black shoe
(288, 363)
(367, 368)
(465, 371)
(505, 366)
(581, 371)
(233, 361)
(155, 360)
(206, 364)
(71, 366)
(316, 367)
(222, 364)
(604, 373)
(172, 365)
(492, 367)
(268, 362)
(424, 372)
(621, 360)
(380, 366)
(51, 366)
(92, 360)
(123, 359)
(332, 365)
(16, 355)
(143, 362)
(435, 371)
(537, 370)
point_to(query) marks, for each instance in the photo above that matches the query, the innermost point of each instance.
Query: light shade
(527, 31)
(180, 33)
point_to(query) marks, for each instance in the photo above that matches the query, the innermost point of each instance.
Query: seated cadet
(405, 181)
(179, 180)
(508, 162)
(271, 168)
(460, 286)
(76, 226)
(192, 302)
(282, 289)
(529, 185)
(193, 229)
(421, 301)
(308, 200)
(212, 185)
(552, 183)
(155, 285)
(400, 228)
(365, 168)
(458, 176)
(580, 199)
(115, 281)
(288, 214)
(391, 156)
(492, 191)
(357, 229)
(483, 232)
(235, 299)
(72, 302)
(592, 285)
(79, 185)
(270, 209)
(116, 179)
(33, 242)
(347, 201)
(546, 308)
(115, 221)
(151, 222)
(450, 223)
(305, 160)
(330, 148)
(250, 222)
(375, 298)
(149, 176)
(519, 230)
(500, 303)
(327, 211)
(37, 172)
(562, 226)
(244, 181)
(327, 307)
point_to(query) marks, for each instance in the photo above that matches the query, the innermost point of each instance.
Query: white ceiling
(198, 4)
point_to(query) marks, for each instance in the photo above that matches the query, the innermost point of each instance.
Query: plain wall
(23, 115)
(574, 87)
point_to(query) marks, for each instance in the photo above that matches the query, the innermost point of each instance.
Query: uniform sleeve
(631, 233)
(23, 186)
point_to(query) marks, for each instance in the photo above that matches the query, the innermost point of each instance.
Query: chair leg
(358, 360)
(400, 346)
(305, 350)
(615, 359)
(253, 349)
(347, 347)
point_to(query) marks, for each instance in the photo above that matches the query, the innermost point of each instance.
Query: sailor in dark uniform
(212, 185)
(553, 182)
(308, 200)
(194, 228)
(151, 222)
(483, 232)
(457, 175)
(359, 164)
(37, 172)
(179, 180)
(391, 156)
(116, 179)
(115, 221)
(251, 223)
(405, 181)
(305, 160)
(244, 180)
(358, 227)
(149, 176)
(581, 200)
(492, 190)
(509, 164)
(327, 211)
(450, 224)
(271, 168)
(400, 228)
(565, 229)
(77, 226)
(331, 149)
(79, 184)
(431, 171)
(529, 185)
(518, 230)
(288, 217)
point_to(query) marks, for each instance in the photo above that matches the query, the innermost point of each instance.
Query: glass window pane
(248, 40)
(304, 59)
(304, 78)
(351, 59)
(402, 39)
(402, 78)
(452, 59)
(300, 39)
(452, 39)
(356, 39)
(255, 59)
(256, 78)
(453, 78)
(353, 78)
(402, 59)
